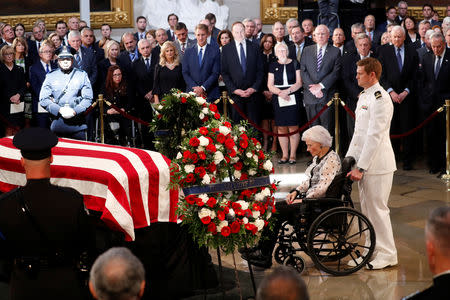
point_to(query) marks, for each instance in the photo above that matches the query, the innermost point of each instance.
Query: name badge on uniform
(365, 107)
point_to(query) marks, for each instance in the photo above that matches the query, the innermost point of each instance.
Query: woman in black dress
(268, 123)
(168, 72)
(112, 51)
(117, 92)
(412, 37)
(12, 91)
(284, 81)
(22, 59)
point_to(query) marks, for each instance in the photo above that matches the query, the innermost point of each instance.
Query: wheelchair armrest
(323, 200)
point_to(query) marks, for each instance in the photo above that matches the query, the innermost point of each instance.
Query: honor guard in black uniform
(43, 227)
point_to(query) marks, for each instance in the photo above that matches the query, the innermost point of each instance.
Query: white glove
(67, 112)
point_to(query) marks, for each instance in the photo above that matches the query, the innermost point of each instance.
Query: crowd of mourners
(279, 80)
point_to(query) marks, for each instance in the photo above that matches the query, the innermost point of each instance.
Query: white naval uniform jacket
(371, 146)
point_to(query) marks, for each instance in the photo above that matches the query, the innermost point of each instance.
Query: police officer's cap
(35, 143)
(65, 52)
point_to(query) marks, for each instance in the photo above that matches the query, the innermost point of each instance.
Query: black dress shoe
(282, 161)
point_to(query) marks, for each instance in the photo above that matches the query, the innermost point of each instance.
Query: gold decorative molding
(416, 12)
(274, 10)
(120, 16)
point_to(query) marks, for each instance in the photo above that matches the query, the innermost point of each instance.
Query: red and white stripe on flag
(128, 185)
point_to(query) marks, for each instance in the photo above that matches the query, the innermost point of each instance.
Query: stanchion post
(225, 103)
(102, 124)
(446, 176)
(336, 121)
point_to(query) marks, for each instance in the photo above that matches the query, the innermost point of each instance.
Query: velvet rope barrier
(127, 115)
(90, 108)
(399, 136)
(243, 115)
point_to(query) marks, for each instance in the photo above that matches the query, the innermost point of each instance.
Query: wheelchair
(339, 239)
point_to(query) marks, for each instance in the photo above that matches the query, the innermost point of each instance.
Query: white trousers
(374, 191)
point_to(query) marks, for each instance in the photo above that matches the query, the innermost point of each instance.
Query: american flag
(129, 186)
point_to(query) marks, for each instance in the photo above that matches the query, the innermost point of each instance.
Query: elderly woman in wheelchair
(333, 233)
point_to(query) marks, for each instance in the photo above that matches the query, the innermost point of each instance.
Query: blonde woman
(168, 72)
(112, 51)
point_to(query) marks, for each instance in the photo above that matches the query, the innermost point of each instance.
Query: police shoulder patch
(378, 95)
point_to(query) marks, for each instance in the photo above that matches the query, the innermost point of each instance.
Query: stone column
(85, 12)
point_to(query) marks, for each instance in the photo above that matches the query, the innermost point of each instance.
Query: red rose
(235, 227)
(226, 210)
(225, 231)
(261, 155)
(212, 228)
(239, 212)
(244, 136)
(212, 167)
(249, 226)
(213, 179)
(211, 148)
(186, 154)
(205, 119)
(235, 205)
(211, 202)
(213, 107)
(227, 159)
(256, 206)
(194, 158)
(243, 143)
(221, 138)
(238, 166)
(159, 116)
(190, 199)
(203, 130)
(206, 220)
(200, 171)
(217, 116)
(227, 124)
(199, 202)
(255, 141)
(194, 142)
(202, 155)
(221, 215)
(244, 176)
(232, 153)
(183, 100)
(229, 143)
(190, 178)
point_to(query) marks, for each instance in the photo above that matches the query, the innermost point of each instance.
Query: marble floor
(414, 194)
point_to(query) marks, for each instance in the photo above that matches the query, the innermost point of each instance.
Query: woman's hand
(284, 94)
(112, 111)
(291, 197)
(15, 99)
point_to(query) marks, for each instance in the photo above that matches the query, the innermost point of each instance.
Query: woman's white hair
(318, 134)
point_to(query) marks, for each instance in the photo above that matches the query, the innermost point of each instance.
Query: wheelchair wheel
(341, 241)
(296, 262)
(281, 253)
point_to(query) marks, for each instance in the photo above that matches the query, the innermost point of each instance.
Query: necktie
(319, 59)
(147, 63)
(38, 45)
(299, 53)
(183, 47)
(132, 56)
(399, 60)
(200, 56)
(47, 69)
(78, 58)
(437, 67)
(243, 59)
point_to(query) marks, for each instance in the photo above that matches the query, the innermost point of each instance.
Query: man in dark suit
(141, 82)
(249, 30)
(201, 67)
(38, 71)
(242, 72)
(427, 12)
(44, 227)
(391, 14)
(212, 19)
(435, 75)
(338, 40)
(183, 41)
(356, 29)
(373, 34)
(7, 35)
(258, 30)
(33, 46)
(141, 26)
(400, 64)
(130, 54)
(350, 88)
(61, 31)
(210, 40)
(172, 19)
(87, 41)
(422, 51)
(298, 43)
(320, 65)
(437, 241)
(402, 9)
(291, 23)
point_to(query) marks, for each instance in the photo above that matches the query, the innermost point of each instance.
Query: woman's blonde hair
(108, 46)
(23, 42)
(6, 48)
(162, 57)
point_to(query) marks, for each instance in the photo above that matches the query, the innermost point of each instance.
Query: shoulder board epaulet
(362, 92)
(378, 95)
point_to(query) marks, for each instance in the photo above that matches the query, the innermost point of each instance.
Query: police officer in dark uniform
(43, 227)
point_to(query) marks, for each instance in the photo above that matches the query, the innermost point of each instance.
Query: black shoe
(292, 161)
(256, 258)
(282, 162)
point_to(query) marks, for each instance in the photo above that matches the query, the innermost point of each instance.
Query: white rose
(265, 192)
(224, 130)
(179, 155)
(189, 168)
(231, 212)
(268, 215)
(258, 146)
(200, 100)
(201, 116)
(160, 106)
(203, 141)
(234, 159)
(184, 95)
(245, 220)
(260, 224)
(206, 179)
(222, 225)
(157, 113)
(268, 165)
(204, 197)
(212, 214)
(241, 129)
(192, 94)
(256, 213)
(205, 110)
(244, 204)
(218, 157)
(249, 154)
(237, 174)
(252, 172)
(235, 138)
(204, 212)
(259, 196)
(255, 157)
(200, 149)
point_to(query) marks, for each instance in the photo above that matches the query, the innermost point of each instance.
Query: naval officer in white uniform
(372, 149)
